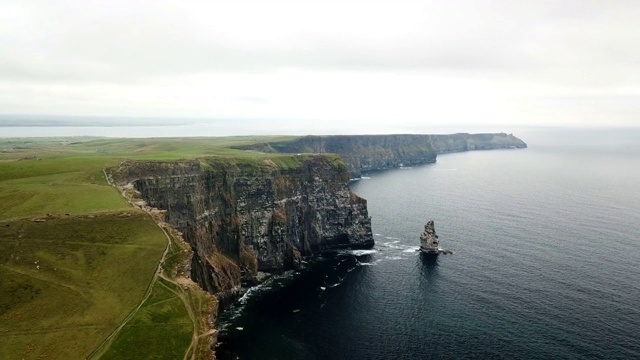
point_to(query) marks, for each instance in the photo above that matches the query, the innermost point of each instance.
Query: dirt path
(195, 337)
(104, 346)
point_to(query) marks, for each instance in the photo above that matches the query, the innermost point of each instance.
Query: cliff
(242, 216)
(362, 153)
(467, 142)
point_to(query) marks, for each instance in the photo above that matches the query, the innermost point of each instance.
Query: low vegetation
(76, 260)
(66, 282)
(173, 322)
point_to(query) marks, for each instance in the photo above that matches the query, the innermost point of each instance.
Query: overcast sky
(570, 62)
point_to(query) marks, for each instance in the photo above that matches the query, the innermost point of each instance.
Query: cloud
(156, 38)
(246, 58)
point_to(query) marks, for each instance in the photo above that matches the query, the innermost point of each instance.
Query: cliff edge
(468, 142)
(241, 216)
(362, 153)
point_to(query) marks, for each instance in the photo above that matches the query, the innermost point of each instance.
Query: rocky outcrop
(362, 153)
(244, 216)
(429, 243)
(429, 239)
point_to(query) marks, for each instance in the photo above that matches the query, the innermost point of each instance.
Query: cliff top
(260, 164)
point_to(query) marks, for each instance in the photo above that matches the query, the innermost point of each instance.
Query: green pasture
(67, 282)
(140, 149)
(145, 335)
(164, 325)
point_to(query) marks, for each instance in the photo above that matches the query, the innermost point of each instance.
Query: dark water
(546, 263)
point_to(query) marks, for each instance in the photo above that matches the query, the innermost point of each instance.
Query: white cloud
(383, 63)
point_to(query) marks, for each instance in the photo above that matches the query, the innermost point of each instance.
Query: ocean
(546, 263)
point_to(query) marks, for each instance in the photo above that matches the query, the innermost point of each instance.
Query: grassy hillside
(172, 322)
(76, 259)
(65, 283)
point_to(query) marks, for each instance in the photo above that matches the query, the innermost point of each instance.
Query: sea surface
(546, 263)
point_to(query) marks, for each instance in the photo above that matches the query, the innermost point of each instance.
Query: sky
(376, 64)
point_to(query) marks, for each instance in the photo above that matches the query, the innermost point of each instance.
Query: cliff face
(362, 153)
(259, 215)
(466, 142)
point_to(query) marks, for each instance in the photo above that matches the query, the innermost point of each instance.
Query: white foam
(412, 249)
(365, 178)
(245, 297)
(240, 328)
(267, 285)
(394, 258)
(322, 288)
(366, 264)
(393, 244)
(363, 252)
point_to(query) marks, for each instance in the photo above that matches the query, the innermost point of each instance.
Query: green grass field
(76, 259)
(141, 149)
(163, 328)
(144, 337)
(67, 282)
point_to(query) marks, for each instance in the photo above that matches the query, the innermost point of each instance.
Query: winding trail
(104, 346)
(194, 337)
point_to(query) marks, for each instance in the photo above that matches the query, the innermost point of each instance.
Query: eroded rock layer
(245, 216)
(429, 239)
(362, 153)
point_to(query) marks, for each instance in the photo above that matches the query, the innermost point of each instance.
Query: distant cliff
(244, 216)
(467, 142)
(362, 153)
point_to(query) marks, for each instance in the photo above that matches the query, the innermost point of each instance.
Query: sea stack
(429, 239)
(429, 243)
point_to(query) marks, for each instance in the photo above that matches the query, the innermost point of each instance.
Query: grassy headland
(76, 260)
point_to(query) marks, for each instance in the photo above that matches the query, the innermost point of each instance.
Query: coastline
(182, 170)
